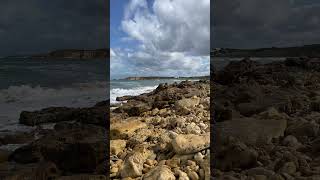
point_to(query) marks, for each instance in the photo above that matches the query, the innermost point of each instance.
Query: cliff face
(76, 54)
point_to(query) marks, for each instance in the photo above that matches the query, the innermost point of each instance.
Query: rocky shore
(164, 134)
(76, 148)
(267, 120)
(160, 135)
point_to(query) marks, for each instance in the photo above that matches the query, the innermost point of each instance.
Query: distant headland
(163, 77)
(70, 54)
(298, 51)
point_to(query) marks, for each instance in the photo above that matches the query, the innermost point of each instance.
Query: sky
(37, 26)
(265, 23)
(159, 38)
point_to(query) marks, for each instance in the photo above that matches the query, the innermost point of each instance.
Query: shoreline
(148, 133)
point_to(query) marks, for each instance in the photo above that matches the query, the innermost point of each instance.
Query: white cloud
(173, 37)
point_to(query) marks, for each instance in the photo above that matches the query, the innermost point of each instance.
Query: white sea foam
(118, 92)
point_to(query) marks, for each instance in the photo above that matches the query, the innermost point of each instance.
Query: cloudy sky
(159, 38)
(36, 26)
(265, 23)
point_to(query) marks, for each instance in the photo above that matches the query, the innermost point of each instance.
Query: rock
(190, 143)
(155, 111)
(117, 146)
(173, 163)
(291, 141)
(199, 157)
(182, 175)
(4, 155)
(185, 105)
(65, 147)
(245, 129)
(289, 168)
(260, 171)
(122, 130)
(26, 154)
(47, 115)
(95, 115)
(234, 154)
(43, 170)
(193, 175)
(192, 128)
(83, 177)
(133, 164)
(159, 173)
(17, 138)
(135, 108)
(303, 128)
(276, 177)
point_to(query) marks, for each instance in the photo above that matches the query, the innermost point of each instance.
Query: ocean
(28, 85)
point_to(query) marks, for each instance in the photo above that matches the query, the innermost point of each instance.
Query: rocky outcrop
(163, 134)
(267, 123)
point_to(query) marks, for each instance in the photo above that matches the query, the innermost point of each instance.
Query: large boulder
(124, 129)
(190, 143)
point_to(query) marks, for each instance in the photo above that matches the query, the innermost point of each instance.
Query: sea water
(34, 84)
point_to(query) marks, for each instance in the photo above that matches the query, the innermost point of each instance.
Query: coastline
(162, 133)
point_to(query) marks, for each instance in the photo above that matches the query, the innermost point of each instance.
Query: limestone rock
(190, 143)
(159, 173)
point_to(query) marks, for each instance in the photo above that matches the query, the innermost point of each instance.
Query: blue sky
(159, 38)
